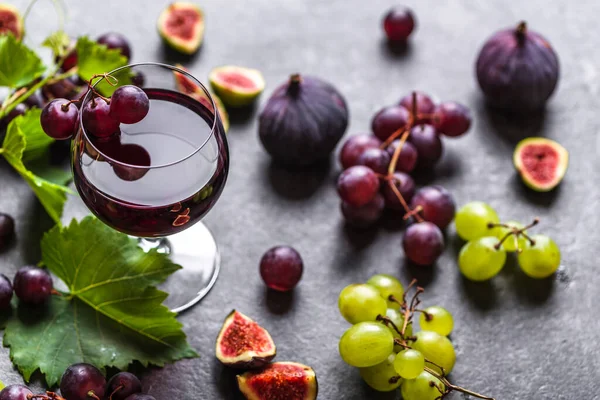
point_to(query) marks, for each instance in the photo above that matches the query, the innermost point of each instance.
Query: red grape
(407, 159)
(114, 40)
(452, 119)
(358, 185)
(428, 144)
(97, 119)
(70, 61)
(16, 392)
(129, 104)
(354, 147)
(7, 230)
(437, 205)
(32, 285)
(399, 23)
(81, 379)
(389, 120)
(19, 109)
(123, 385)
(405, 185)
(423, 243)
(6, 293)
(425, 105)
(366, 215)
(376, 159)
(59, 119)
(281, 268)
(138, 79)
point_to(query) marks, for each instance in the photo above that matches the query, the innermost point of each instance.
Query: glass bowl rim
(173, 69)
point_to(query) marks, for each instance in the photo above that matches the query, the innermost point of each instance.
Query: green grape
(438, 320)
(436, 348)
(409, 363)
(421, 388)
(540, 260)
(366, 344)
(360, 303)
(398, 319)
(387, 285)
(513, 242)
(479, 260)
(473, 218)
(378, 376)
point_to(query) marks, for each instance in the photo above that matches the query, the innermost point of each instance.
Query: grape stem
(515, 232)
(409, 308)
(120, 387)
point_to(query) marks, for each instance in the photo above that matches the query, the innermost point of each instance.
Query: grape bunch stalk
(381, 343)
(377, 169)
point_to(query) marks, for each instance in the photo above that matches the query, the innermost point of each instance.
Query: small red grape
(405, 185)
(281, 268)
(358, 185)
(452, 119)
(399, 23)
(423, 243)
(354, 147)
(376, 159)
(59, 119)
(129, 104)
(437, 205)
(366, 215)
(389, 120)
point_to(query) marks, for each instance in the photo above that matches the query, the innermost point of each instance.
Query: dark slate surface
(515, 338)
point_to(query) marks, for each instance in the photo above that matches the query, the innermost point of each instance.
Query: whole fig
(303, 121)
(517, 69)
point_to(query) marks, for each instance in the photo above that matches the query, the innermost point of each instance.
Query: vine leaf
(94, 58)
(111, 315)
(19, 65)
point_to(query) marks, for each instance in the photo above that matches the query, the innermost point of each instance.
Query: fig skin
(280, 380)
(536, 155)
(303, 121)
(517, 70)
(252, 355)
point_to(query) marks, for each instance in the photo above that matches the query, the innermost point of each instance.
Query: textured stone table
(515, 338)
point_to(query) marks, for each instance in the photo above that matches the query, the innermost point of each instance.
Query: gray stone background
(516, 338)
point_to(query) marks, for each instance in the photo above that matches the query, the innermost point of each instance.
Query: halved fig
(187, 86)
(280, 380)
(237, 86)
(181, 25)
(542, 163)
(242, 343)
(11, 21)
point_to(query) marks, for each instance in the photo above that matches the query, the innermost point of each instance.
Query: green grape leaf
(50, 173)
(58, 42)
(51, 195)
(37, 141)
(2, 385)
(94, 58)
(19, 65)
(111, 316)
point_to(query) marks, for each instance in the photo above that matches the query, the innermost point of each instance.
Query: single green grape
(473, 218)
(437, 319)
(514, 242)
(436, 348)
(479, 260)
(541, 259)
(388, 285)
(360, 303)
(366, 344)
(424, 387)
(409, 363)
(378, 376)
(398, 319)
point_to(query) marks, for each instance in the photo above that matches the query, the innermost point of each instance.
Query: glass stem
(161, 245)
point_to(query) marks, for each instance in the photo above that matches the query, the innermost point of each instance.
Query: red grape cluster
(377, 170)
(84, 382)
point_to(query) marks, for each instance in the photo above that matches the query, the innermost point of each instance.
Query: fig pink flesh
(181, 23)
(236, 80)
(9, 22)
(291, 380)
(540, 162)
(243, 335)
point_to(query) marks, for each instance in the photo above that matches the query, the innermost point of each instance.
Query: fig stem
(521, 32)
(294, 86)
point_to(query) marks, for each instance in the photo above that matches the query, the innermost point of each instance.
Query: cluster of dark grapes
(84, 382)
(377, 169)
(72, 87)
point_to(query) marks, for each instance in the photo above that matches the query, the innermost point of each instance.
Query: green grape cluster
(489, 241)
(385, 349)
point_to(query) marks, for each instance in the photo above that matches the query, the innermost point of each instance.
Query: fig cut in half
(181, 25)
(187, 86)
(242, 343)
(279, 381)
(542, 163)
(11, 21)
(237, 86)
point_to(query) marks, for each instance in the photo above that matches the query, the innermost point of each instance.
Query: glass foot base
(196, 251)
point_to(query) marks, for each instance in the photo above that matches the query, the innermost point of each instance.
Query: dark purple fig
(517, 69)
(303, 121)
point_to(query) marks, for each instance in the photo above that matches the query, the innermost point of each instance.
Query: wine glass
(157, 178)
